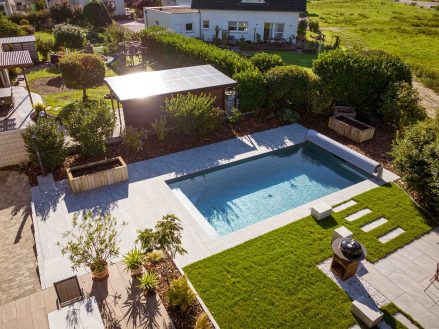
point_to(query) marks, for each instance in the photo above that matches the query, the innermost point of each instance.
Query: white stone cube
(321, 211)
(341, 232)
(370, 317)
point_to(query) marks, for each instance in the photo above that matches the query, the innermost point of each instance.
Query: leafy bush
(115, 34)
(132, 138)
(193, 113)
(290, 86)
(176, 50)
(400, 105)
(50, 141)
(45, 46)
(82, 71)
(203, 322)
(24, 21)
(97, 14)
(69, 36)
(264, 61)
(301, 28)
(251, 89)
(313, 26)
(38, 18)
(180, 295)
(9, 29)
(154, 257)
(148, 281)
(90, 124)
(65, 12)
(287, 115)
(360, 78)
(234, 116)
(416, 155)
(160, 127)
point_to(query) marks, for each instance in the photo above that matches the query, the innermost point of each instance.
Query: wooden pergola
(17, 59)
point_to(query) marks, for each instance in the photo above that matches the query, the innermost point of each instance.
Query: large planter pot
(100, 275)
(353, 129)
(97, 174)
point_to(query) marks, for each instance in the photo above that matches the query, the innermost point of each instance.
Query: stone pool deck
(146, 197)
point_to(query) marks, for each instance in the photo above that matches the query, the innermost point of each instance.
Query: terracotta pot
(100, 276)
(136, 271)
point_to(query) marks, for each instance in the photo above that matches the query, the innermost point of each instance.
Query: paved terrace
(146, 198)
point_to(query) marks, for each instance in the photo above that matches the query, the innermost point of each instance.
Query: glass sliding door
(268, 30)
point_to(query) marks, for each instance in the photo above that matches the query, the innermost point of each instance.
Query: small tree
(301, 28)
(49, 140)
(68, 36)
(93, 242)
(90, 124)
(82, 71)
(167, 236)
(264, 61)
(97, 14)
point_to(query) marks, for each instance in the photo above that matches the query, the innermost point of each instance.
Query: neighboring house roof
(12, 59)
(252, 5)
(23, 39)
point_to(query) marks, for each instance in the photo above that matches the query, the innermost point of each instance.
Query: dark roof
(252, 5)
(23, 39)
(12, 59)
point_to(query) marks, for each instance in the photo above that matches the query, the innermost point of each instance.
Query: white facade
(250, 25)
(7, 7)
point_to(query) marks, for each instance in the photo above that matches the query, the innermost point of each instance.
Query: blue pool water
(235, 196)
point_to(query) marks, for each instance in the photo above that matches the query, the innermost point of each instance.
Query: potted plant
(92, 242)
(148, 282)
(152, 259)
(133, 261)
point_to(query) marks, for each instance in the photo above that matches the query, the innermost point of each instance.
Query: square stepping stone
(341, 232)
(321, 211)
(345, 205)
(372, 225)
(358, 214)
(391, 235)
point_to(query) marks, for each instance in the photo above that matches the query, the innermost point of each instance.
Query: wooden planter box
(351, 128)
(97, 174)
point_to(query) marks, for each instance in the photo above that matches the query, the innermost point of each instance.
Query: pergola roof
(12, 59)
(185, 79)
(22, 39)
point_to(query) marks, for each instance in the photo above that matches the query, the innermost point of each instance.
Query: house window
(238, 26)
(274, 30)
(279, 30)
(188, 27)
(205, 24)
(157, 22)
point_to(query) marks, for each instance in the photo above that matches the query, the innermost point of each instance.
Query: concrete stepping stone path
(372, 225)
(391, 235)
(344, 206)
(358, 214)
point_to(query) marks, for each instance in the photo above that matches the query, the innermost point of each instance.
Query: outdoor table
(5, 93)
(83, 314)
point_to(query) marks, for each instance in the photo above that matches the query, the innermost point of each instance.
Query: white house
(248, 19)
(7, 7)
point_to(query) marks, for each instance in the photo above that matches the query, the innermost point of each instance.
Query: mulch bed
(49, 85)
(168, 271)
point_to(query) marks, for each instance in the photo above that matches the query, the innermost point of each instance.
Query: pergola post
(120, 119)
(27, 87)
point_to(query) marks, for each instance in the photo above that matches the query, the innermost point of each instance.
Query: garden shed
(26, 42)
(143, 94)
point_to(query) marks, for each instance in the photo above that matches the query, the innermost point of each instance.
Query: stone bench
(341, 232)
(369, 316)
(321, 211)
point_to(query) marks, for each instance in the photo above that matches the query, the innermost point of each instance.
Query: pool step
(358, 214)
(391, 235)
(344, 206)
(372, 225)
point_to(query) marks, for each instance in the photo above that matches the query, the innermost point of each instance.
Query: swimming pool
(231, 197)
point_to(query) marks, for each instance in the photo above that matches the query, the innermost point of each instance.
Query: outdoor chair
(434, 278)
(68, 291)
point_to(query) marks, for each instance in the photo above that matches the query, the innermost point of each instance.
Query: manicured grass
(390, 310)
(273, 282)
(407, 31)
(43, 73)
(294, 58)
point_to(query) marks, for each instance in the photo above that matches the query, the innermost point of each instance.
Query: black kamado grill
(347, 254)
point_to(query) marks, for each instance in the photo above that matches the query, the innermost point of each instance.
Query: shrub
(287, 115)
(203, 322)
(24, 22)
(69, 36)
(180, 295)
(313, 26)
(148, 282)
(416, 155)
(251, 89)
(97, 14)
(115, 34)
(160, 127)
(65, 12)
(82, 71)
(176, 50)
(400, 105)
(301, 28)
(50, 141)
(193, 113)
(154, 257)
(290, 86)
(234, 116)
(38, 19)
(45, 46)
(9, 29)
(359, 78)
(90, 124)
(132, 138)
(132, 259)
(265, 61)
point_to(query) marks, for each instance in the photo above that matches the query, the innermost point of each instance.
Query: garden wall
(12, 148)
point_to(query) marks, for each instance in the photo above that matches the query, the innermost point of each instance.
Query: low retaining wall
(12, 148)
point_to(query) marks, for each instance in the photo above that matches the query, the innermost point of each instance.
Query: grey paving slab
(344, 206)
(374, 224)
(391, 235)
(358, 214)
(401, 318)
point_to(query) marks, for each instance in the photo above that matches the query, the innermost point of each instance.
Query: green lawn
(273, 282)
(294, 58)
(407, 31)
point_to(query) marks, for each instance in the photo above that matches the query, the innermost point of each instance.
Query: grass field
(293, 58)
(407, 31)
(273, 282)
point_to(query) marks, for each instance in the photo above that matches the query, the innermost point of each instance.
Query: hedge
(10, 29)
(175, 50)
(265, 61)
(251, 89)
(38, 19)
(360, 78)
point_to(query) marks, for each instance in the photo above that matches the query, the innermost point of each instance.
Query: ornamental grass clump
(180, 295)
(148, 282)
